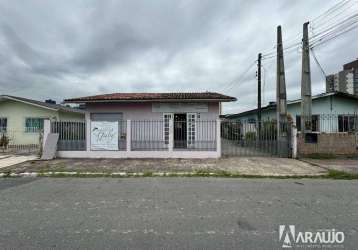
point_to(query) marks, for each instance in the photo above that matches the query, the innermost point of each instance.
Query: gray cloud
(59, 49)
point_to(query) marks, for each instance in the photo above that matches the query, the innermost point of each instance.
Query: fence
(72, 135)
(247, 138)
(145, 135)
(331, 123)
(334, 134)
(149, 136)
(21, 141)
(187, 135)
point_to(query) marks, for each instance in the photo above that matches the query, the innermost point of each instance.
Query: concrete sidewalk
(345, 165)
(257, 166)
(10, 160)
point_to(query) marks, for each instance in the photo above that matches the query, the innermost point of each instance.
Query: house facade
(22, 119)
(331, 113)
(150, 125)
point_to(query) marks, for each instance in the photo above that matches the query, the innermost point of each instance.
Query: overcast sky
(61, 49)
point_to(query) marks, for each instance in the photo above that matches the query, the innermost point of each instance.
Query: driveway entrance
(249, 138)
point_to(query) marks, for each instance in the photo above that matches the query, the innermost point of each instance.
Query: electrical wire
(329, 11)
(238, 80)
(323, 30)
(327, 26)
(319, 65)
(320, 42)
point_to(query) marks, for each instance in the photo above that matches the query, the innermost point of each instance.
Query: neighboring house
(160, 123)
(331, 112)
(22, 119)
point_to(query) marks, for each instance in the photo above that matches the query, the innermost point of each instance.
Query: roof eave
(30, 103)
(72, 111)
(5, 97)
(152, 100)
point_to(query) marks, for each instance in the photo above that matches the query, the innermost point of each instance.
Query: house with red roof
(159, 125)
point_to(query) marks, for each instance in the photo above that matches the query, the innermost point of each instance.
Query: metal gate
(246, 138)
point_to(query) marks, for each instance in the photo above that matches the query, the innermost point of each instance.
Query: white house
(146, 125)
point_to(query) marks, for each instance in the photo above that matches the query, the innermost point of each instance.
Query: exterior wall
(71, 116)
(16, 114)
(139, 154)
(145, 127)
(329, 105)
(329, 144)
(143, 111)
(146, 133)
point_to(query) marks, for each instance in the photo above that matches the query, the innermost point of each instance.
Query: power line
(238, 80)
(335, 18)
(332, 9)
(317, 62)
(337, 27)
(320, 41)
(327, 34)
(321, 18)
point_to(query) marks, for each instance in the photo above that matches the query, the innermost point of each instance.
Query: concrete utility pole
(306, 93)
(281, 102)
(259, 94)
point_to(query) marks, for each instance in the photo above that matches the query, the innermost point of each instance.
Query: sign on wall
(104, 135)
(180, 107)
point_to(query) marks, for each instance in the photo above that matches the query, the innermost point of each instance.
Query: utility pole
(281, 101)
(306, 93)
(259, 94)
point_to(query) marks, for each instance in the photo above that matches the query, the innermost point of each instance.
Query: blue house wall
(328, 107)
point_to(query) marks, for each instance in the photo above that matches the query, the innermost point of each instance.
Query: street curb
(115, 174)
(151, 174)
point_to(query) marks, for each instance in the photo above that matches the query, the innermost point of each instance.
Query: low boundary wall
(329, 144)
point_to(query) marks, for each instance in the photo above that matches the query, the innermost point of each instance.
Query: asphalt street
(170, 213)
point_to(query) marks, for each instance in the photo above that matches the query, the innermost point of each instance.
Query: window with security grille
(3, 124)
(34, 124)
(347, 123)
(315, 123)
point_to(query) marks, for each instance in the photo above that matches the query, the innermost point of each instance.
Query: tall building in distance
(345, 81)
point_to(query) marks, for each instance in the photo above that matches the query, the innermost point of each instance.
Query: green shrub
(4, 140)
(250, 136)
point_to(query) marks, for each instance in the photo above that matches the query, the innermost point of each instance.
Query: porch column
(47, 131)
(129, 136)
(218, 137)
(171, 134)
(88, 130)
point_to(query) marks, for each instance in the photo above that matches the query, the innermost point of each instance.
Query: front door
(180, 131)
